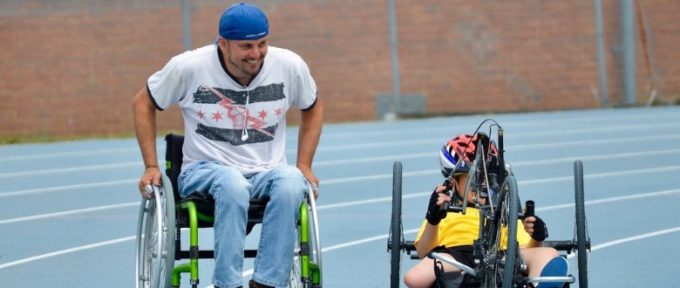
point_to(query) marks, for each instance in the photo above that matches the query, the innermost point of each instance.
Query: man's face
(244, 57)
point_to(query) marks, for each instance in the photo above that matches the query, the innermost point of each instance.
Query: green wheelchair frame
(161, 219)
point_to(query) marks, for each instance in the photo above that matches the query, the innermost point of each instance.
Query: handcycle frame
(161, 219)
(502, 209)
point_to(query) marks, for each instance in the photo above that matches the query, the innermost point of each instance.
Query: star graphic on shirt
(217, 116)
(201, 114)
(278, 112)
(262, 114)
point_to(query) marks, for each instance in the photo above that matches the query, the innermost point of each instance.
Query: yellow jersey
(458, 229)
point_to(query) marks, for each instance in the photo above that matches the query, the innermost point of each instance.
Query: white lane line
(71, 169)
(595, 157)
(69, 212)
(602, 175)
(69, 154)
(384, 236)
(438, 140)
(547, 208)
(635, 238)
(524, 182)
(67, 187)
(66, 251)
(401, 157)
(370, 201)
(614, 199)
(514, 125)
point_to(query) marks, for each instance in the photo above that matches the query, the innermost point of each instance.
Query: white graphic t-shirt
(238, 126)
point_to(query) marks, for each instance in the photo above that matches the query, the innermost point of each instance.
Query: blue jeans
(284, 186)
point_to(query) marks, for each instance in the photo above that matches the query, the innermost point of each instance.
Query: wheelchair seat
(205, 203)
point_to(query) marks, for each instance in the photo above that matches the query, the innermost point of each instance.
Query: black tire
(582, 238)
(509, 217)
(396, 236)
(504, 260)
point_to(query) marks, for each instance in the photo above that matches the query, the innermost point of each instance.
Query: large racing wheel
(582, 239)
(155, 249)
(509, 207)
(502, 254)
(396, 236)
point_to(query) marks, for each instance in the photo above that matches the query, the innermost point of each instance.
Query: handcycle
(161, 219)
(496, 265)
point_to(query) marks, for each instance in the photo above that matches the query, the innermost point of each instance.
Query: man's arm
(144, 112)
(308, 139)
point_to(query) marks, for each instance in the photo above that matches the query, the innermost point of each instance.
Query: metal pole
(186, 24)
(628, 43)
(394, 58)
(602, 63)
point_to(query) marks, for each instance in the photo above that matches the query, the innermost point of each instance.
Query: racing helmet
(457, 154)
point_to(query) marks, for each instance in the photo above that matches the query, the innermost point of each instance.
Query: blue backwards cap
(243, 21)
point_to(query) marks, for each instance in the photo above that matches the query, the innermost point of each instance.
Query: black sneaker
(253, 284)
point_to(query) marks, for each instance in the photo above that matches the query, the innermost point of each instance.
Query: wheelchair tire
(505, 266)
(509, 206)
(582, 238)
(396, 236)
(155, 249)
(295, 280)
(316, 267)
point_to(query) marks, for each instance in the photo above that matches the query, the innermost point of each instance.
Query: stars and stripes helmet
(457, 154)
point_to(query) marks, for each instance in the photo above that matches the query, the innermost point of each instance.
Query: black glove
(435, 213)
(540, 230)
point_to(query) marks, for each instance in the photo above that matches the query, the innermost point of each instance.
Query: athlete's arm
(308, 139)
(144, 112)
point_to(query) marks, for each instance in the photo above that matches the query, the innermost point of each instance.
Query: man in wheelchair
(234, 95)
(453, 234)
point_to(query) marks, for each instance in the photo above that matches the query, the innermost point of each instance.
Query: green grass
(45, 138)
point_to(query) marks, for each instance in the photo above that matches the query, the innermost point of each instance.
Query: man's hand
(536, 228)
(152, 176)
(311, 178)
(534, 225)
(435, 208)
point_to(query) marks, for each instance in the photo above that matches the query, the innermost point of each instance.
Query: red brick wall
(71, 67)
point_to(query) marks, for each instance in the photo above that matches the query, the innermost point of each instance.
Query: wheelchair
(495, 265)
(161, 219)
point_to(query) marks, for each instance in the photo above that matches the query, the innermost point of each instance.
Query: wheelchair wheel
(315, 266)
(505, 270)
(155, 249)
(582, 238)
(306, 267)
(295, 274)
(396, 236)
